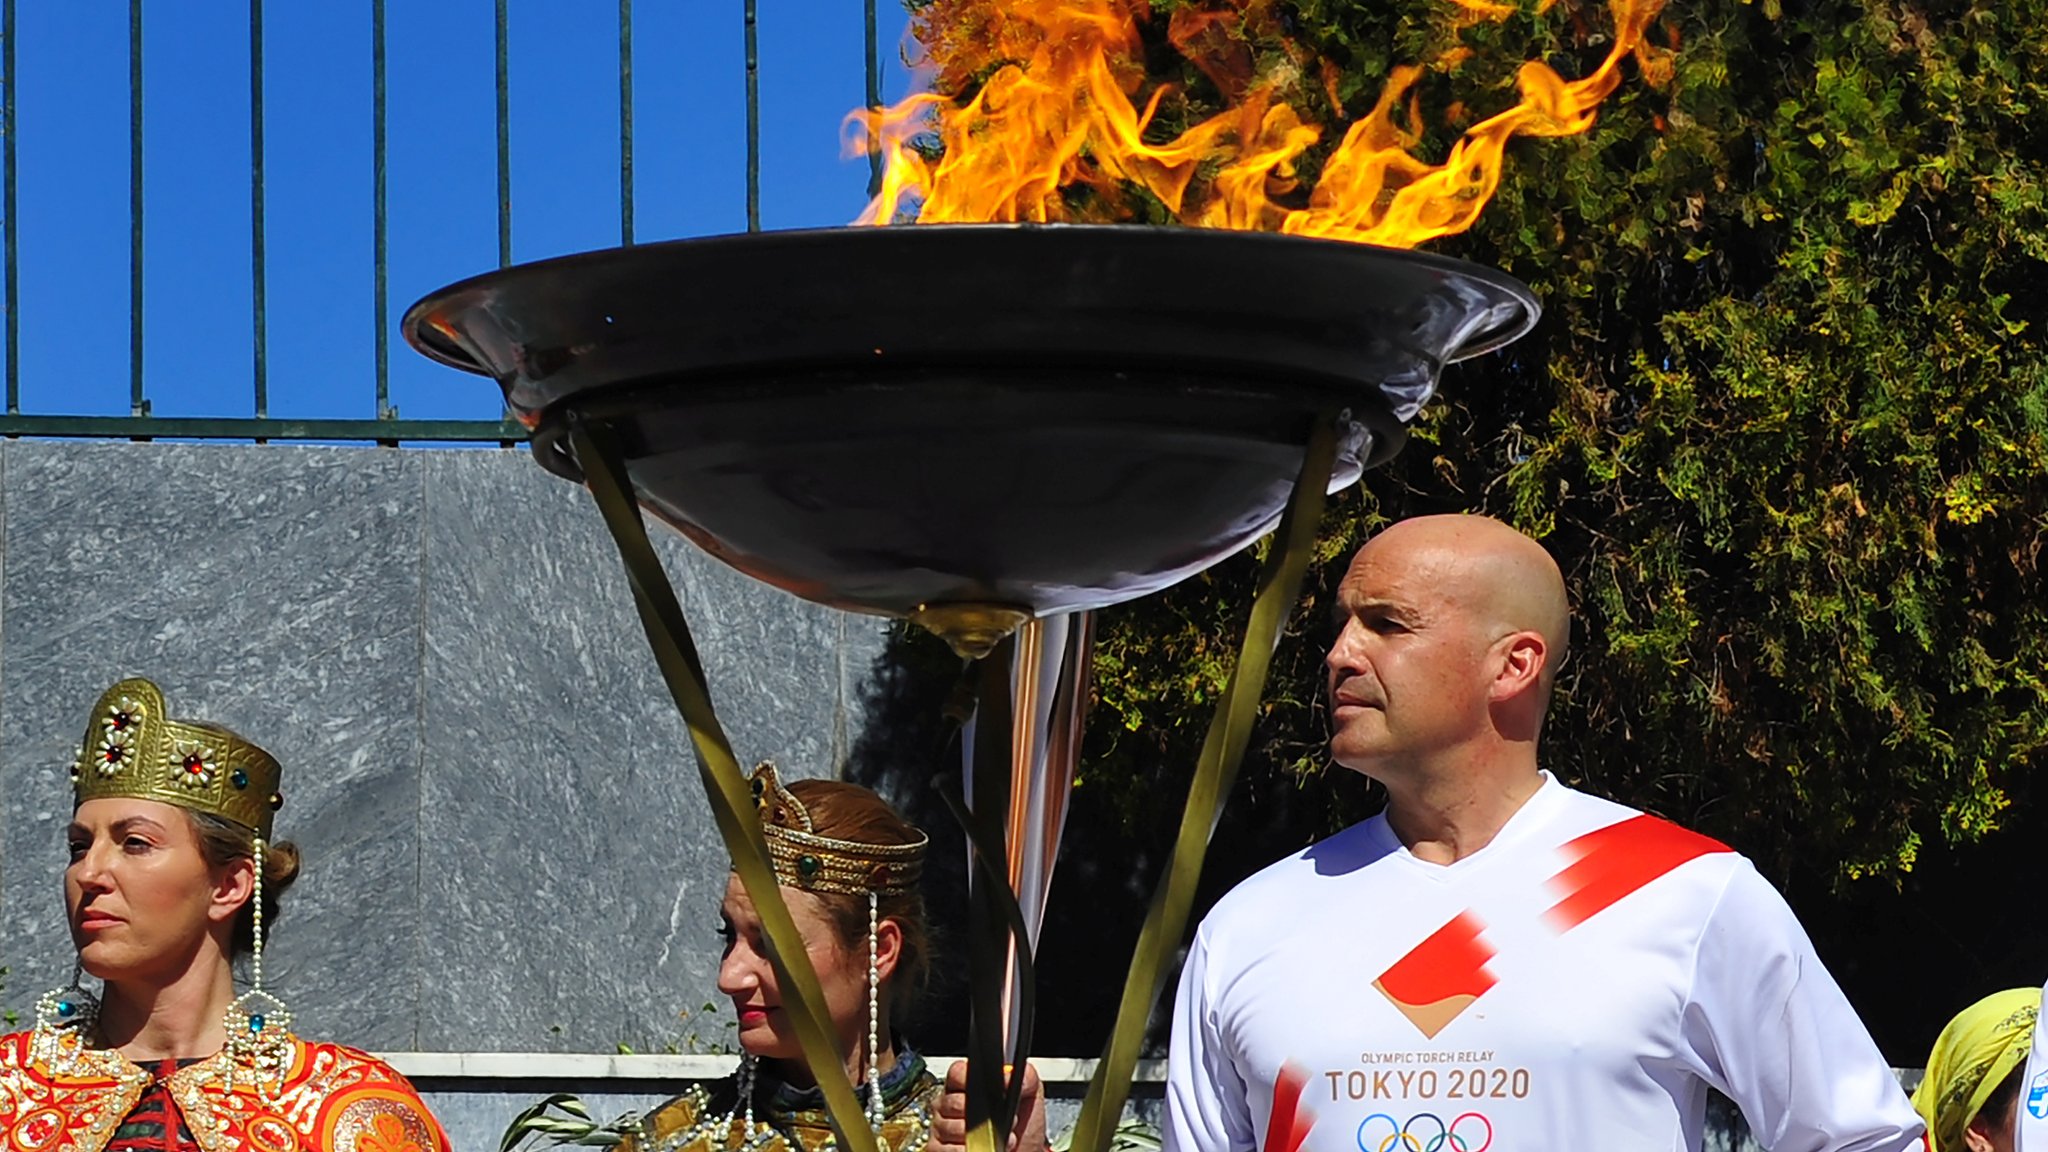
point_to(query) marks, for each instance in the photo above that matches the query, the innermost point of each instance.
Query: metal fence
(387, 427)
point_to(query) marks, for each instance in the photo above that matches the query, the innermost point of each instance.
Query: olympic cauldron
(981, 428)
(971, 424)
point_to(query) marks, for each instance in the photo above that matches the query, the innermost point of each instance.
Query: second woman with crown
(849, 868)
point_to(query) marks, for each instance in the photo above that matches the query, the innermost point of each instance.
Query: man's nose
(1344, 656)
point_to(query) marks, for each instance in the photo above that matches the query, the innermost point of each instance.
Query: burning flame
(1056, 131)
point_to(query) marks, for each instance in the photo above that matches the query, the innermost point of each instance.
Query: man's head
(1453, 630)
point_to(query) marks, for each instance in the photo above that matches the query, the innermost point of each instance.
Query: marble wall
(507, 848)
(475, 1113)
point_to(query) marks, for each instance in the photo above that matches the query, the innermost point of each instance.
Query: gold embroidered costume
(266, 1090)
(785, 1119)
(332, 1099)
(752, 1111)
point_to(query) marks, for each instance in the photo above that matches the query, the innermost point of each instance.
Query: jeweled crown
(132, 748)
(803, 859)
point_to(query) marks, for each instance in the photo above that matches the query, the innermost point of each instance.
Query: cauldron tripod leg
(668, 633)
(1215, 770)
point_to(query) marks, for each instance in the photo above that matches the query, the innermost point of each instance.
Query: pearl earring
(745, 1100)
(258, 1024)
(874, 1014)
(67, 1010)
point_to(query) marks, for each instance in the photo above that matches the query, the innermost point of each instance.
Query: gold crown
(804, 859)
(132, 748)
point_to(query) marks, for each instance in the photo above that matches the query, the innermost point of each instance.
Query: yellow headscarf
(1971, 1058)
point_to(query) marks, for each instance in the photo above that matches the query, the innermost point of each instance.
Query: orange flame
(1058, 133)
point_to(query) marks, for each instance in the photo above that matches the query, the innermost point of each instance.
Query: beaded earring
(745, 1100)
(70, 1009)
(874, 1014)
(258, 1024)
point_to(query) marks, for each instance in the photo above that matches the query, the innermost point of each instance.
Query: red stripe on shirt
(1452, 962)
(1610, 863)
(1290, 1122)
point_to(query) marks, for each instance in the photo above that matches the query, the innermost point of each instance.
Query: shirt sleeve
(1206, 1105)
(1765, 1024)
(2032, 1135)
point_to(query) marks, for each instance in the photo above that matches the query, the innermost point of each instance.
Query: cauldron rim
(1214, 354)
(424, 339)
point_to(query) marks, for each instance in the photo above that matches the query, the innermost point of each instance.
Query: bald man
(1498, 963)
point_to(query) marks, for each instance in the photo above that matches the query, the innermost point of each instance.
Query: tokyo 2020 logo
(1425, 1132)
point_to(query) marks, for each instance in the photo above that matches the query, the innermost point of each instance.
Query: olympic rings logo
(1469, 1132)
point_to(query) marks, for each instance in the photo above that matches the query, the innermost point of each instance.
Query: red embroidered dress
(334, 1099)
(154, 1124)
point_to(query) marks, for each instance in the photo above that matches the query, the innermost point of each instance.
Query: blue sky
(71, 97)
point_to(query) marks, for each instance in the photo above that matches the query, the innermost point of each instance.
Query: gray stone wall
(506, 845)
(475, 1113)
(507, 849)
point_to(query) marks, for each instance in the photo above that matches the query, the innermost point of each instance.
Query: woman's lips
(95, 921)
(753, 1016)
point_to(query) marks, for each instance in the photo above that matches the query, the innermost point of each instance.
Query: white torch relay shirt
(2033, 1102)
(1576, 986)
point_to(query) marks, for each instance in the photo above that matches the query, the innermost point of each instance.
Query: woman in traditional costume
(1970, 1093)
(173, 874)
(848, 866)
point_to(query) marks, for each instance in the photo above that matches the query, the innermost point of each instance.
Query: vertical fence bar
(258, 282)
(504, 144)
(7, 162)
(753, 119)
(626, 122)
(137, 404)
(504, 155)
(874, 96)
(380, 236)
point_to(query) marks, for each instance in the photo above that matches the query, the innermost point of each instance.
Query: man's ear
(1523, 657)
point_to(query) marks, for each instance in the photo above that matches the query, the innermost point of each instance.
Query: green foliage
(1784, 425)
(562, 1120)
